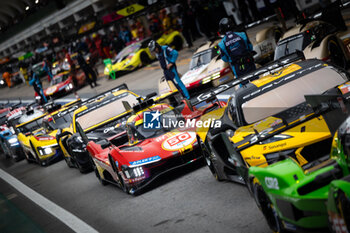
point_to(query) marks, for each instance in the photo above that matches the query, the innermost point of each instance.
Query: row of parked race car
(284, 134)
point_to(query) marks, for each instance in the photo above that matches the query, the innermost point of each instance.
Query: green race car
(315, 195)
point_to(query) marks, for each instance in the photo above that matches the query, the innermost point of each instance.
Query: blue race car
(9, 144)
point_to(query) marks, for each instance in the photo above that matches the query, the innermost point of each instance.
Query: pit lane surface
(190, 200)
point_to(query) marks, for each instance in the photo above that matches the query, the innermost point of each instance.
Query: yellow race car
(317, 39)
(137, 54)
(38, 136)
(102, 116)
(268, 118)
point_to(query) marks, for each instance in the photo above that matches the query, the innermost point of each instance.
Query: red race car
(62, 84)
(135, 157)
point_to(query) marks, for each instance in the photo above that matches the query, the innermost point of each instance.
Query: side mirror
(150, 95)
(105, 144)
(82, 133)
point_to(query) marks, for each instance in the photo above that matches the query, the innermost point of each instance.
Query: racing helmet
(225, 25)
(152, 45)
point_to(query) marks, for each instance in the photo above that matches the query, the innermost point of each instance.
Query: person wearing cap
(167, 58)
(236, 49)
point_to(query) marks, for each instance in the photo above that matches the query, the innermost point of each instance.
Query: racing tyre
(268, 209)
(177, 43)
(145, 60)
(343, 203)
(68, 162)
(336, 54)
(7, 152)
(27, 157)
(83, 169)
(122, 185)
(208, 160)
(97, 173)
(36, 157)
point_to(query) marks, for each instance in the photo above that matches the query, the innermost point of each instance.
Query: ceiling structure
(11, 9)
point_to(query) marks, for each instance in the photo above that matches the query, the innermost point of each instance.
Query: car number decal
(179, 141)
(272, 183)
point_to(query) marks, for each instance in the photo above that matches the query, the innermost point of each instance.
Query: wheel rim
(208, 161)
(210, 164)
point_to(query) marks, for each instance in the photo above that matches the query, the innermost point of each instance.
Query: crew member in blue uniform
(167, 58)
(236, 49)
(38, 87)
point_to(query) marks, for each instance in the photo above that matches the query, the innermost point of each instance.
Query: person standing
(185, 22)
(73, 74)
(38, 88)
(236, 49)
(125, 35)
(47, 69)
(7, 77)
(167, 58)
(88, 71)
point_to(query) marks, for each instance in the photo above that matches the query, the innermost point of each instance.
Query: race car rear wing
(267, 69)
(104, 94)
(258, 22)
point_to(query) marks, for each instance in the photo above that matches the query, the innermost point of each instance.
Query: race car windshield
(59, 79)
(292, 44)
(290, 94)
(59, 122)
(126, 52)
(105, 110)
(201, 58)
(34, 125)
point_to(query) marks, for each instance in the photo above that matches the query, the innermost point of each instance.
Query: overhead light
(36, 1)
(27, 8)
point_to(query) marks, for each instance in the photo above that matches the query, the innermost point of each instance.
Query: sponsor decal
(275, 146)
(272, 183)
(15, 112)
(276, 122)
(51, 90)
(179, 141)
(146, 161)
(345, 88)
(44, 138)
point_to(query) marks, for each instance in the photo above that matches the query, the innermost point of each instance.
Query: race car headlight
(2, 82)
(69, 87)
(13, 140)
(134, 172)
(206, 80)
(45, 151)
(216, 75)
